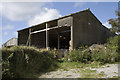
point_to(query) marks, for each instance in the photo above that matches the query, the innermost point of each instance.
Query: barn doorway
(59, 38)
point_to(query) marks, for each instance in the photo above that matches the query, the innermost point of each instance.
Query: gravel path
(71, 73)
(110, 70)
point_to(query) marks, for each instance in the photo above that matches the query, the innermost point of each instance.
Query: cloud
(45, 15)
(107, 25)
(5, 33)
(79, 4)
(15, 34)
(20, 11)
(7, 27)
(33, 13)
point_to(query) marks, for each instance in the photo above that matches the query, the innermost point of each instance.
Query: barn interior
(59, 38)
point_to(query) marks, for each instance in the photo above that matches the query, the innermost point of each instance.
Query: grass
(108, 66)
(115, 76)
(87, 73)
(104, 53)
(75, 71)
(24, 62)
(18, 61)
(68, 75)
(84, 69)
(58, 74)
(65, 69)
(70, 65)
(97, 79)
(102, 73)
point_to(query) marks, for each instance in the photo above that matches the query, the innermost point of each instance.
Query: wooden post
(58, 42)
(30, 37)
(47, 37)
(71, 34)
(70, 46)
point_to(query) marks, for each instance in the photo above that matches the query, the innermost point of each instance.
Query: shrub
(79, 56)
(107, 53)
(22, 61)
(100, 56)
(113, 43)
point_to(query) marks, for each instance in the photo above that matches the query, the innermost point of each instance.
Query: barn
(66, 32)
(11, 42)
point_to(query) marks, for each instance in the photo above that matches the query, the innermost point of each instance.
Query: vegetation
(22, 61)
(108, 53)
(87, 73)
(115, 22)
(72, 65)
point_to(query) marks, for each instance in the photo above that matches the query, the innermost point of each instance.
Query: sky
(20, 15)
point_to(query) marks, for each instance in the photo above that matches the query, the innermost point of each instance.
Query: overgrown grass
(83, 69)
(79, 65)
(87, 73)
(98, 79)
(22, 61)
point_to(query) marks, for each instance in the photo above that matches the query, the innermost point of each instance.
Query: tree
(115, 23)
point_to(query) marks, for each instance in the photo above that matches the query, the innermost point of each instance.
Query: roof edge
(56, 19)
(9, 40)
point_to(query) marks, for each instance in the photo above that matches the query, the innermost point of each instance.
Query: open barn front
(59, 38)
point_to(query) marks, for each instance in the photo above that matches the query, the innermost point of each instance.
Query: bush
(113, 43)
(107, 53)
(79, 56)
(22, 61)
(105, 57)
(100, 56)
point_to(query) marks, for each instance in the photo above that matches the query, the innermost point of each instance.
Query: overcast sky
(20, 15)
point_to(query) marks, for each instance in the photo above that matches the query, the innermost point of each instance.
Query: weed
(102, 73)
(58, 74)
(68, 75)
(65, 69)
(115, 76)
(89, 71)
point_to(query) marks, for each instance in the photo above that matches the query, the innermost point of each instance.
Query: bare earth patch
(106, 71)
